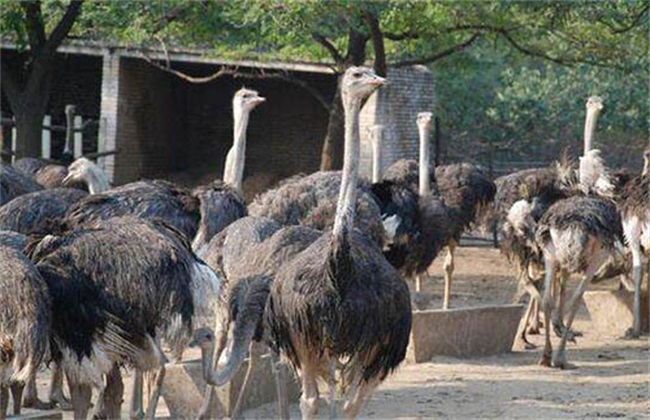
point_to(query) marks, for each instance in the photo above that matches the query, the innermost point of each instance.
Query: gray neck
(97, 181)
(345, 209)
(237, 154)
(646, 166)
(425, 159)
(377, 146)
(69, 131)
(590, 130)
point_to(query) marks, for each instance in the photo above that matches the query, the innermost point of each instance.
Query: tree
(390, 33)
(26, 79)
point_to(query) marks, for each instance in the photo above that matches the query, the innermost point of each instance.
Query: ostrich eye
(356, 75)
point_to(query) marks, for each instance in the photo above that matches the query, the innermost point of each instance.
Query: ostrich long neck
(646, 166)
(69, 131)
(590, 129)
(377, 156)
(236, 156)
(97, 181)
(425, 159)
(345, 209)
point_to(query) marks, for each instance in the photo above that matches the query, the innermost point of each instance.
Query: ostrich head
(70, 109)
(83, 169)
(359, 83)
(245, 100)
(202, 338)
(424, 119)
(595, 104)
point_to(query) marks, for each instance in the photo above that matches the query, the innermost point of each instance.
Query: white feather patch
(518, 215)
(391, 224)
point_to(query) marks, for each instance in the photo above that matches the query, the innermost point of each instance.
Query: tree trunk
(29, 126)
(332, 154)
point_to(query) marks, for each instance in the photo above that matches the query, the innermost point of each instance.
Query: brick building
(163, 125)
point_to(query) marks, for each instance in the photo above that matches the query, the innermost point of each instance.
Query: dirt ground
(612, 379)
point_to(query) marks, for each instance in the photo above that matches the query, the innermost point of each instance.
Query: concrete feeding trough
(612, 312)
(184, 387)
(463, 332)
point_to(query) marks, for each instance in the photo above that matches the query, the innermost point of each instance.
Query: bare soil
(612, 378)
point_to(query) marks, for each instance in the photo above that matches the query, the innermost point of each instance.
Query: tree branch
(65, 24)
(328, 46)
(439, 55)
(632, 25)
(377, 43)
(235, 73)
(34, 24)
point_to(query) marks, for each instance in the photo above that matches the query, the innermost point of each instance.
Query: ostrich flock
(98, 279)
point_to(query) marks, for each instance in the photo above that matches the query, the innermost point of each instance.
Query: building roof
(84, 47)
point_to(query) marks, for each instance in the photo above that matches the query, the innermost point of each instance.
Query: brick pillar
(108, 111)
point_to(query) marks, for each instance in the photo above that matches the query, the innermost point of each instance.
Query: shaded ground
(612, 379)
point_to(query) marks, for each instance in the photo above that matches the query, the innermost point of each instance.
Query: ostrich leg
(635, 246)
(280, 385)
(155, 393)
(56, 388)
(4, 401)
(418, 283)
(81, 395)
(309, 397)
(17, 394)
(449, 269)
(352, 407)
(137, 411)
(109, 402)
(550, 266)
(559, 357)
(332, 387)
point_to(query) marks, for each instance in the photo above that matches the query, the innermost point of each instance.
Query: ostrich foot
(533, 330)
(563, 364)
(529, 346)
(37, 404)
(560, 330)
(60, 400)
(546, 360)
(630, 334)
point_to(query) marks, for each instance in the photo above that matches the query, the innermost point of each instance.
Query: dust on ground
(612, 379)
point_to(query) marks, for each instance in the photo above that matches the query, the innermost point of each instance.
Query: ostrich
(324, 301)
(114, 290)
(24, 325)
(14, 183)
(39, 212)
(634, 205)
(578, 234)
(451, 198)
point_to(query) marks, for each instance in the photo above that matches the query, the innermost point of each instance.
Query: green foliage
(531, 110)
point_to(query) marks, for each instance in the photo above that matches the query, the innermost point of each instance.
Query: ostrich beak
(68, 179)
(378, 81)
(259, 100)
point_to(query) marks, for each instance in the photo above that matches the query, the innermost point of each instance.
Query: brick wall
(166, 125)
(396, 105)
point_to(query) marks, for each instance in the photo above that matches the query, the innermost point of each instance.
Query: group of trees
(518, 56)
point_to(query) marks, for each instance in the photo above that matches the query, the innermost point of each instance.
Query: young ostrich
(578, 234)
(324, 301)
(114, 290)
(24, 325)
(634, 206)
